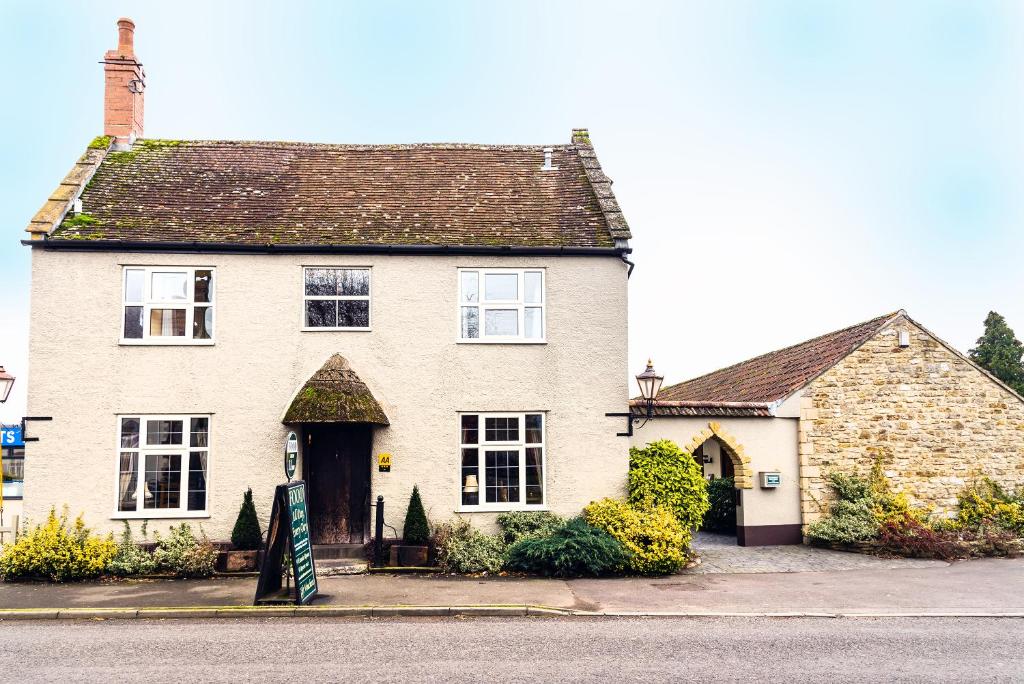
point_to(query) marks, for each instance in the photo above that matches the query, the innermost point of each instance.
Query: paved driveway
(720, 554)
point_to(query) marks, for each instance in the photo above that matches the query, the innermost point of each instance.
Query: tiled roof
(268, 193)
(776, 375)
(724, 409)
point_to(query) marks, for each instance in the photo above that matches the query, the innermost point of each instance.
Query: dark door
(337, 473)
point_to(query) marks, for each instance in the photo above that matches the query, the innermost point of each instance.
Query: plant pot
(240, 561)
(408, 556)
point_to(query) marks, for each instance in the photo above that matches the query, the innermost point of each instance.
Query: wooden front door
(337, 472)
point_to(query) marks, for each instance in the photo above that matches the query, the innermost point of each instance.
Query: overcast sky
(787, 168)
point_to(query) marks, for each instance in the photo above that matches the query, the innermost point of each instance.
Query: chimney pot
(126, 36)
(125, 80)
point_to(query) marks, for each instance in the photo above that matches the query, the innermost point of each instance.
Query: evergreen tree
(999, 352)
(247, 535)
(416, 531)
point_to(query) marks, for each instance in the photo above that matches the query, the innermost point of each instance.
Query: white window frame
(332, 267)
(519, 304)
(188, 305)
(520, 445)
(184, 449)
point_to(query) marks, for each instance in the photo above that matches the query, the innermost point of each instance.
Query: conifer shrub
(57, 552)
(518, 525)
(574, 549)
(131, 559)
(416, 530)
(654, 539)
(246, 535)
(664, 474)
(183, 555)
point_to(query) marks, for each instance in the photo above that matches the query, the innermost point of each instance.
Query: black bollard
(378, 537)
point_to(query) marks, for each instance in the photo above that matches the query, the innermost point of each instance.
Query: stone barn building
(886, 389)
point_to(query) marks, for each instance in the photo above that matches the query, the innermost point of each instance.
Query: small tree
(247, 535)
(999, 352)
(416, 530)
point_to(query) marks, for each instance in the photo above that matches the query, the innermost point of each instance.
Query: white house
(459, 307)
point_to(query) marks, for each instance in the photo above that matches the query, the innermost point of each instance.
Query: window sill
(158, 515)
(335, 329)
(501, 508)
(479, 341)
(166, 343)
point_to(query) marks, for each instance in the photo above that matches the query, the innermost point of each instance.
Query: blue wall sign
(10, 436)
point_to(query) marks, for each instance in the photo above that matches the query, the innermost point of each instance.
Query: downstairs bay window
(162, 466)
(502, 461)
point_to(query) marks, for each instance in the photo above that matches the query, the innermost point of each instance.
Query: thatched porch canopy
(335, 394)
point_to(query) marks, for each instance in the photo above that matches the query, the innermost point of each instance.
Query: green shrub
(861, 507)
(654, 538)
(987, 503)
(183, 555)
(130, 559)
(663, 474)
(246, 535)
(519, 525)
(416, 530)
(573, 550)
(721, 515)
(847, 522)
(463, 548)
(58, 553)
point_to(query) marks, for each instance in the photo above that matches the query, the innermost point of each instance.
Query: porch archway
(744, 476)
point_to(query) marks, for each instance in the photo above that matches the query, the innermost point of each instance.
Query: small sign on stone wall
(384, 462)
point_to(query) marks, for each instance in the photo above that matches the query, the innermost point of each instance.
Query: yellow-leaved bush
(56, 552)
(664, 473)
(655, 538)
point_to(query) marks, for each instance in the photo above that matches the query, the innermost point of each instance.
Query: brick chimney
(125, 81)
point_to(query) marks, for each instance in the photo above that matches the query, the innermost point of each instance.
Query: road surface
(515, 649)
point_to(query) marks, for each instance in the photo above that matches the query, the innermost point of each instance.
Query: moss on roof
(335, 394)
(262, 193)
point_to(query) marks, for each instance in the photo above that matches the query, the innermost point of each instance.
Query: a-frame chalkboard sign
(288, 531)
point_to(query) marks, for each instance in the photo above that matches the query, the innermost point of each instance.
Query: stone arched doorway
(742, 474)
(722, 457)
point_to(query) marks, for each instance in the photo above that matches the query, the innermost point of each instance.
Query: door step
(323, 552)
(341, 566)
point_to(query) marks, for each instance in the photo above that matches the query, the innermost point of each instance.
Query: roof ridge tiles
(168, 142)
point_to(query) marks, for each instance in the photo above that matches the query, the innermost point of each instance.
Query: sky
(787, 167)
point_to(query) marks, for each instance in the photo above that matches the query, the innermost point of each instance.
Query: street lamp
(6, 383)
(650, 385)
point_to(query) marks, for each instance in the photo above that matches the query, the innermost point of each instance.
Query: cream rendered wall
(771, 444)
(82, 377)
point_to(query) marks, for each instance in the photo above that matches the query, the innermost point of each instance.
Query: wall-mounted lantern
(650, 385)
(6, 383)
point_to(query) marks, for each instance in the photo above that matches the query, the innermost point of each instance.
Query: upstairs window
(167, 305)
(501, 305)
(336, 299)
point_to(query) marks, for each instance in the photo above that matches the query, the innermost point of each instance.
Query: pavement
(983, 586)
(720, 554)
(651, 650)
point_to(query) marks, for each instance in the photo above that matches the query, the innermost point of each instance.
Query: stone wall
(937, 422)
